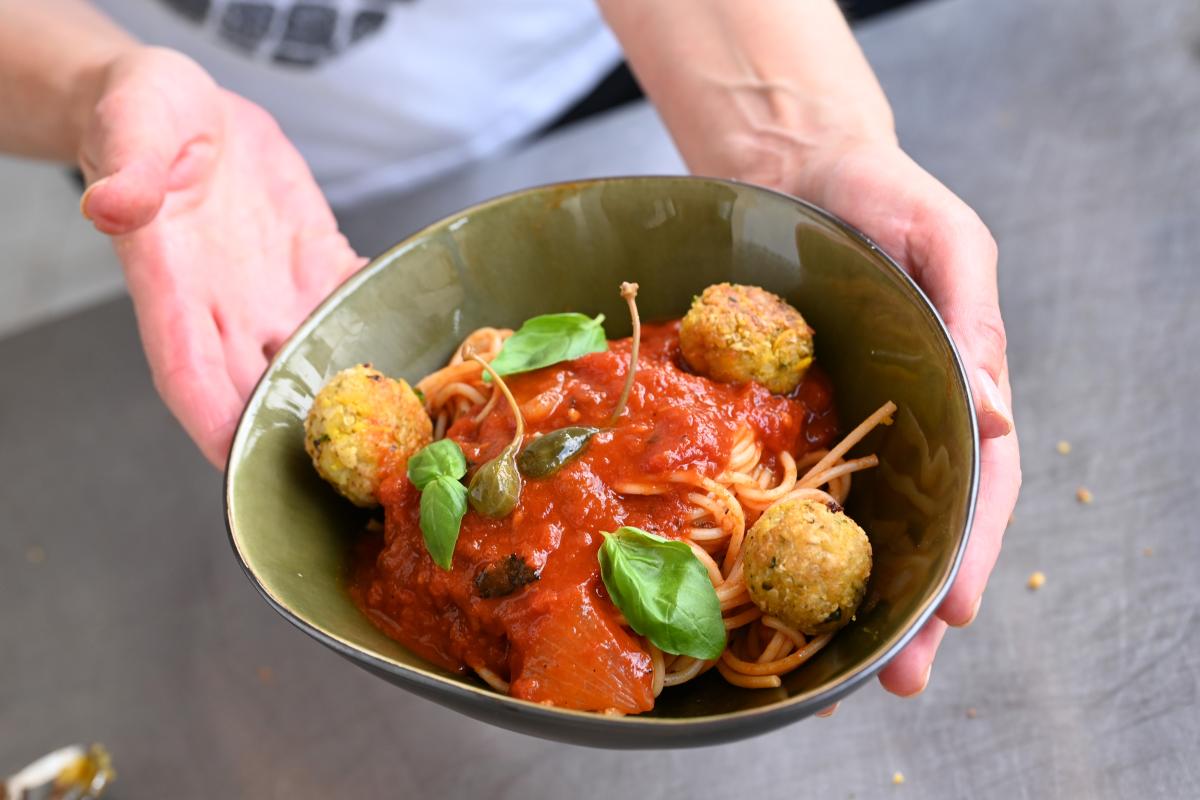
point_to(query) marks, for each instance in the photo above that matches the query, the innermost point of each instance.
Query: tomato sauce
(557, 639)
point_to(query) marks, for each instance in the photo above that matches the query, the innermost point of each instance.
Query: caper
(496, 486)
(504, 576)
(549, 453)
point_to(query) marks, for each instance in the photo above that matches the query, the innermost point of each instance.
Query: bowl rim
(771, 715)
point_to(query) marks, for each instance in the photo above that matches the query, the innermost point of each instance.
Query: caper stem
(629, 292)
(519, 436)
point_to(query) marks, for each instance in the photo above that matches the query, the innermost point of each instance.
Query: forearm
(747, 88)
(52, 57)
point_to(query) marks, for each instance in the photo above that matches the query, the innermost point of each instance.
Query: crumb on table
(1036, 580)
(35, 554)
(972, 713)
(1083, 495)
(1063, 447)
(897, 778)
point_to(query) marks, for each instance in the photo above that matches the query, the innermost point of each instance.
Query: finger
(126, 158)
(138, 147)
(126, 199)
(954, 257)
(994, 415)
(1005, 386)
(201, 394)
(1000, 483)
(208, 413)
(187, 359)
(908, 673)
(322, 257)
(198, 390)
(245, 356)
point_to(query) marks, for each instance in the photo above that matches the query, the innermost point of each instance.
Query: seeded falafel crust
(360, 421)
(807, 564)
(735, 334)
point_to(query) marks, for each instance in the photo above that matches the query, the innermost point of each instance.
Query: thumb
(138, 145)
(127, 197)
(956, 264)
(982, 338)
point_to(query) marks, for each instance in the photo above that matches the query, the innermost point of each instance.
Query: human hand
(225, 239)
(947, 249)
(785, 99)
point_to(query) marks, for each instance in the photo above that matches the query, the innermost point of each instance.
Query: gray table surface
(1071, 126)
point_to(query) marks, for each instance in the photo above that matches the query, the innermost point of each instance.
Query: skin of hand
(944, 245)
(225, 239)
(778, 93)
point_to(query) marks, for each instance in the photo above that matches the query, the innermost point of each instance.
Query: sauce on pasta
(691, 459)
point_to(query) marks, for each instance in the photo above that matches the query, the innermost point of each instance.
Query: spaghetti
(719, 498)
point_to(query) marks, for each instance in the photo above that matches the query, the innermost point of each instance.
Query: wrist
(50, 54)
(763, 130)
(774, 152)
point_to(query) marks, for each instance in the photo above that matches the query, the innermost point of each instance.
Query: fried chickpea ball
(360, 421)
(807, 564)
(736, 334)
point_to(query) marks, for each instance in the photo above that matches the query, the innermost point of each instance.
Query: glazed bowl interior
(567, 247)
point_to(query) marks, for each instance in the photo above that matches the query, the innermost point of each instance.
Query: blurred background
(1070, 126)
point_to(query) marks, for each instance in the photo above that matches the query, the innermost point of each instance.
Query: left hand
(876, 187)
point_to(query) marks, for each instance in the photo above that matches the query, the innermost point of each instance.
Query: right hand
(225, 239)
(946, 247)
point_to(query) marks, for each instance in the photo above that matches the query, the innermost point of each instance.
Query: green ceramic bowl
(567, 247)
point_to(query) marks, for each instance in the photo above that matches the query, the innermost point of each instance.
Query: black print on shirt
(295, 34)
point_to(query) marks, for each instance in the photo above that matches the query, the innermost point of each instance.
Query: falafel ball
(360, 421)
(807, 564)
(736, 334)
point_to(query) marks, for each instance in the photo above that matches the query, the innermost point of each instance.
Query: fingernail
(825, 713)
(993, 403)
(88, 193)
(974, 613)
(921, 688)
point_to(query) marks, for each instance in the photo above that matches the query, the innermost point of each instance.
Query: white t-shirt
(380, 95)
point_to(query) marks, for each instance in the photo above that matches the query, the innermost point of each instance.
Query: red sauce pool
(557, 640)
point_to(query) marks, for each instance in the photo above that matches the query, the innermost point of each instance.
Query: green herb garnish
(443, 504)
(663, 591)
(551, 452)
(437, 471)
(549, 339)
(443, 457)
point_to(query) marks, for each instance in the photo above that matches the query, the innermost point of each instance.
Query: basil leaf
(436, 470)
(443, 504)
(549, 339)
(441, 458)
(664, 592)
